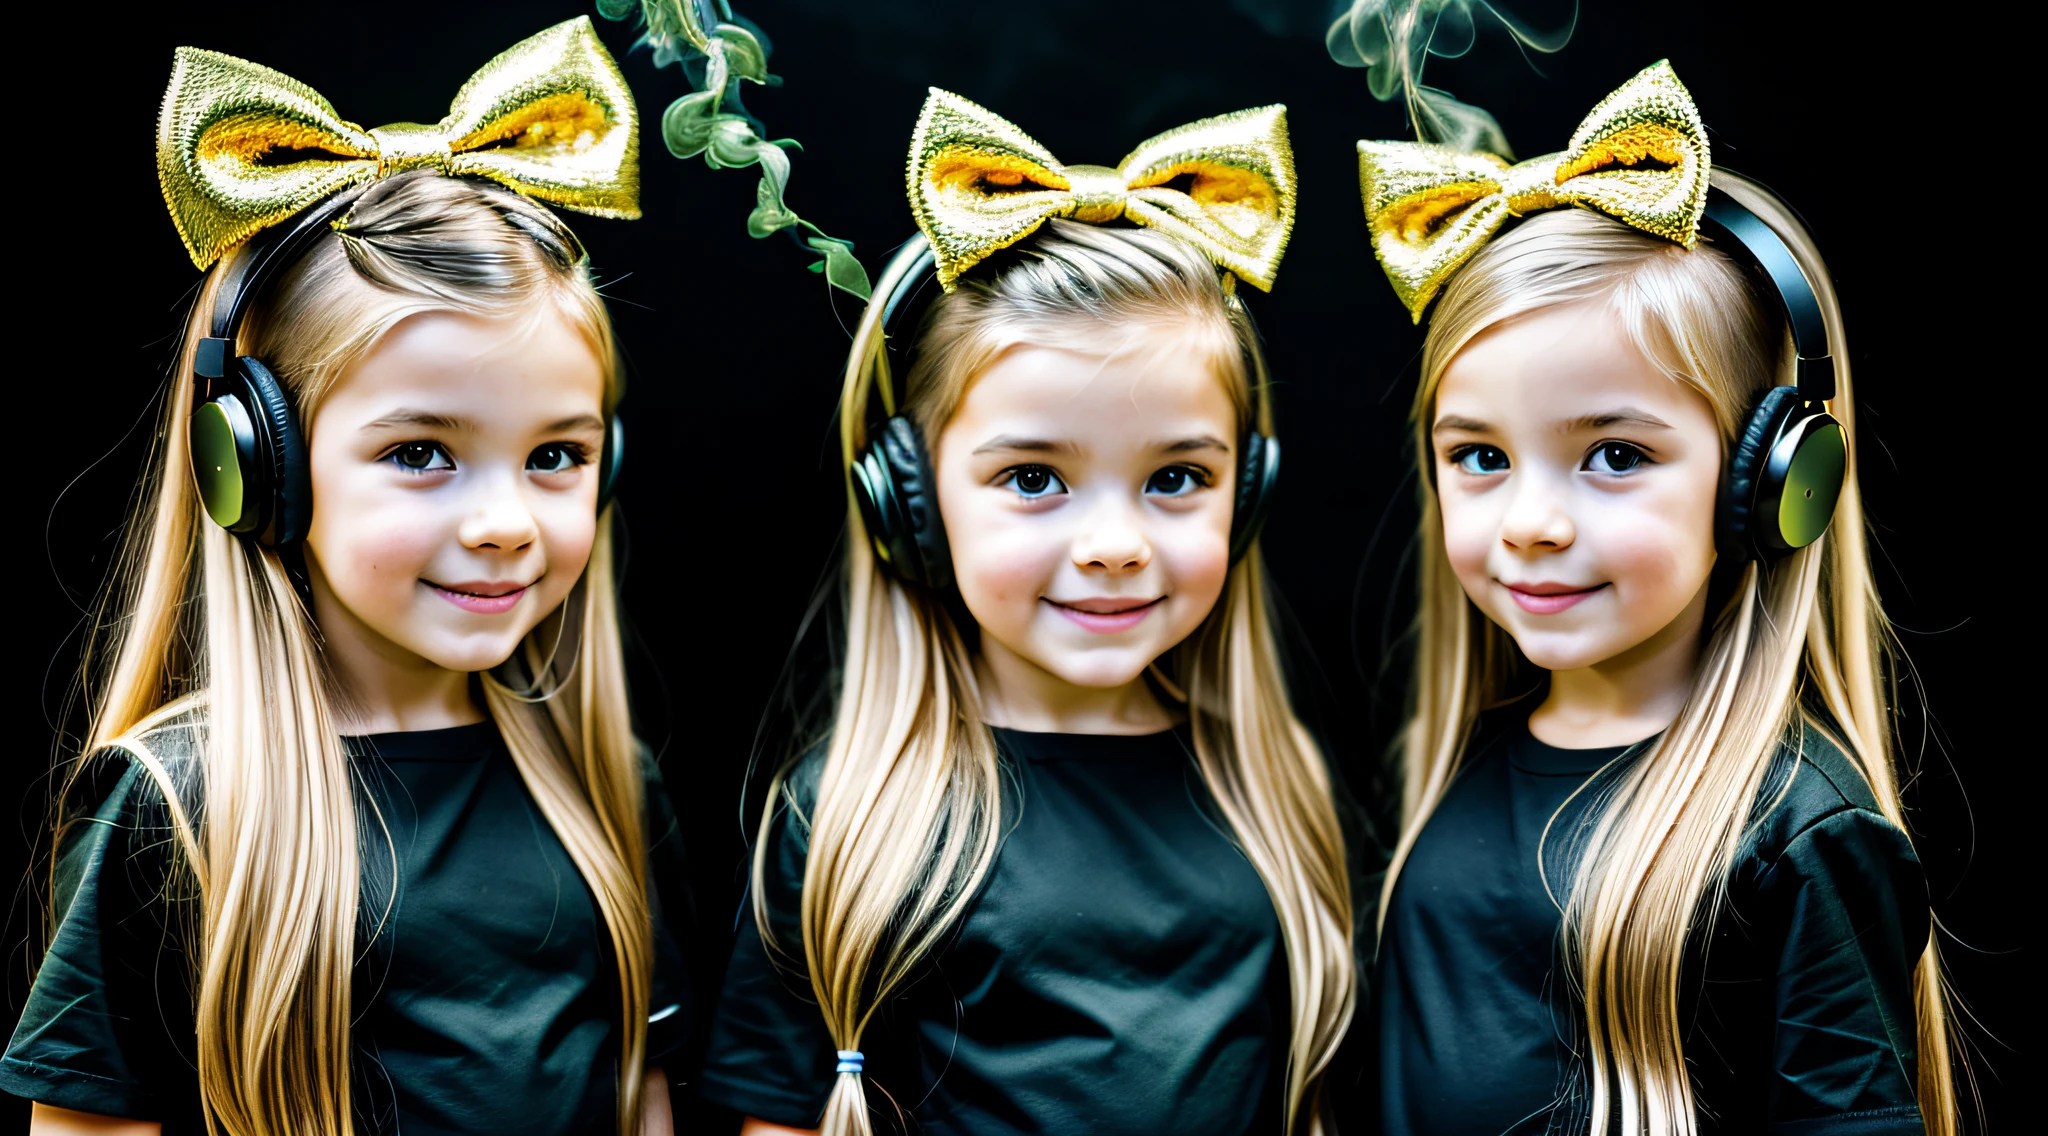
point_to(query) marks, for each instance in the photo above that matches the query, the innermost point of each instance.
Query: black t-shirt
(1799, 1012)
(486, 1001)
(1121, 969)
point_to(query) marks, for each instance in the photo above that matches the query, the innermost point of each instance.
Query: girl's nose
(1538, 518)
(1113, 540)
(499, 519)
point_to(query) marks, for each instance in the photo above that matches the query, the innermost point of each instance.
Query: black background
(732, 497)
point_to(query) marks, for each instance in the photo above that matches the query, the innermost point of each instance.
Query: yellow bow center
(410, 146)
(1531, 186)
(1099, 193)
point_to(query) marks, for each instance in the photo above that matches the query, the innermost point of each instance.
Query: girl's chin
(1096, 673)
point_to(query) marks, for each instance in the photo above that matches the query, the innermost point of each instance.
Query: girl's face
(1087, 500)
(1577, 485)
(454, 487)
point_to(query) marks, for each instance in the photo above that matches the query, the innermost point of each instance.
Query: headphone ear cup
(1746, 460)
(233, 485)
(875, 493)
(1257, 474)
(611, 462)
(920, 538)
(281, 450)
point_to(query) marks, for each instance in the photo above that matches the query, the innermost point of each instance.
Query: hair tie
(850, 1060)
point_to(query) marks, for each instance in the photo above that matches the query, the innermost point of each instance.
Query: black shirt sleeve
(1849, 900)
(1833, 907)
(770, 1055)
(670, 1000)
(98, 1034)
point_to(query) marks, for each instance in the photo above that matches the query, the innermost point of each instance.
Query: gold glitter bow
(1226, 184)
(1640, 156)
(240, 147)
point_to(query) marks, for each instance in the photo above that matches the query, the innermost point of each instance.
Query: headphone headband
(268, 255)
(1769, 252)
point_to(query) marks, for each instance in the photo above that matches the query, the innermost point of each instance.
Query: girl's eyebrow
(1203, 442)
(425, 418)
(1624, 416)
(1457, 422)
(430, 420)
(1028, 445)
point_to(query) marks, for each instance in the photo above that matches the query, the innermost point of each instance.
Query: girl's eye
(1032, 481)
(421, 457)
(1614, 457)
(555, 457)
(1480, 460)
(1176, 481)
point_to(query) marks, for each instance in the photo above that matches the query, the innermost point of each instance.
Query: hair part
(266, 821)
(905, 823)
(1806, 627)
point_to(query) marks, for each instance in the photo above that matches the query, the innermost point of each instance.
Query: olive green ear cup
(1784, 477)
(223, 443)
(1817, 460)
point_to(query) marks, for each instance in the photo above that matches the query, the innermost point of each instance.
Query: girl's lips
(1549, 599)
(482, 599)
(1108, 622)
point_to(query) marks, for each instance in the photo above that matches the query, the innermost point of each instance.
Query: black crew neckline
(1034, 745)
(1531, 754)
(472, 742)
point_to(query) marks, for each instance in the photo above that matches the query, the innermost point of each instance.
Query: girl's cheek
(1468, 538)
(380, 558)
(1656, 564)
(569, 533)
(1196, 559)
(1005, 568)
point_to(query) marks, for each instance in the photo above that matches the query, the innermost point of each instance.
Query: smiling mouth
(1549, 599)
(481, 598)
(1107, 616)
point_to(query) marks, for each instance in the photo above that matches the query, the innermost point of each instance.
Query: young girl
(360, 840)
(1067, 862)
(1653, 875)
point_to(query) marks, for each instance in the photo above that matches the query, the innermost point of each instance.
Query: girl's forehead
(486, 368)
(1551, 363)
(1124, 387)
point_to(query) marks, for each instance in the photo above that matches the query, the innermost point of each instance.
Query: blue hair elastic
(850, 1060)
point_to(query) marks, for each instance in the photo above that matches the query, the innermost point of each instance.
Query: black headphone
(1786, 470)
(248, 454)
(892, 474)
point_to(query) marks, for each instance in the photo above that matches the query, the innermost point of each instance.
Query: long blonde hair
(202, 626)
(1809, 626)
(904, 826)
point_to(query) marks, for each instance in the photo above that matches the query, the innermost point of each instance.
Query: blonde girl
(1653, 874)
(1066, 862)
(360, 838)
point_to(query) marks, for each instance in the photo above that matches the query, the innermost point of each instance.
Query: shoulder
(1816, 815)
(1812, 781)
(170, 743)
(148, 773)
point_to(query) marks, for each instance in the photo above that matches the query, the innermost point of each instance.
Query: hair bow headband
(240, 147)
(1225, 184)
(1641, 156)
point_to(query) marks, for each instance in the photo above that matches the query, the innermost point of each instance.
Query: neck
(384, 688)
(1018, 694)
(1629, 697)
